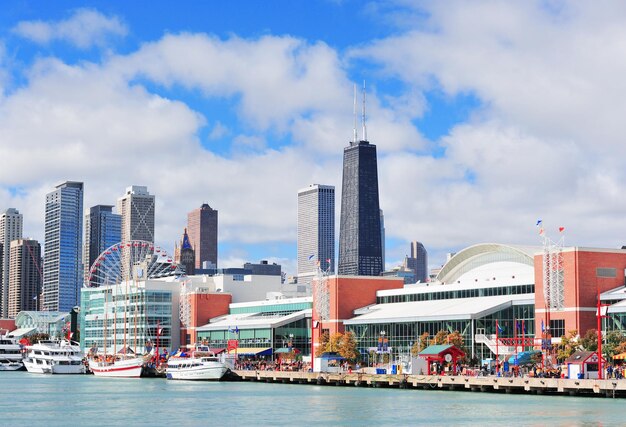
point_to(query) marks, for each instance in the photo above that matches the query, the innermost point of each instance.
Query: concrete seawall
(548, 386)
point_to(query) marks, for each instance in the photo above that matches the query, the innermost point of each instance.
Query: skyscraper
(316, 230)
(10, 229)
(360, 246)
(202, 232)
(137, 210)
(418, 261)
(103, 229)
(24, 276)
(62, 268)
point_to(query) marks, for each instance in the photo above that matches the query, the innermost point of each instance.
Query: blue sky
(484, 114)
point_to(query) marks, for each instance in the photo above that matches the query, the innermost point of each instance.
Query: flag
(518, 325)
(543, 329)
(541, 231)
(500, 328)
(561, 229)
(328, 260)
(311, 257)
(35, 298)
(159, 331)
(539, 222)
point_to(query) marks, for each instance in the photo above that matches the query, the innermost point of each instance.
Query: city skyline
(481, 128)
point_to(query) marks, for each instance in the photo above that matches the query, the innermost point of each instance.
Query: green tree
(613, 341)
(589, 341)
(348, 347)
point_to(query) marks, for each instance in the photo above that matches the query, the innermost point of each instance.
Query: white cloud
(219, 131)
(85, 28)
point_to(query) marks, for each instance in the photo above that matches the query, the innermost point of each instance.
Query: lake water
(56, 400)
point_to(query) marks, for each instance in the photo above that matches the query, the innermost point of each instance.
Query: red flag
(232, 345)
(561, 229)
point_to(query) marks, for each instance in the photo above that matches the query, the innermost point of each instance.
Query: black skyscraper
(360, 246)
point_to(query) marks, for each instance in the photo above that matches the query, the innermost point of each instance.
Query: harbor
(55, 400)
(491, 384)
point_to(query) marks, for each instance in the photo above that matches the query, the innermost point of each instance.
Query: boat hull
(11, 366)
(118, 369)
(209, 372)
(36, 368)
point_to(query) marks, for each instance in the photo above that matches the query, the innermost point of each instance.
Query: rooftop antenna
(363, 116)
(355, 137)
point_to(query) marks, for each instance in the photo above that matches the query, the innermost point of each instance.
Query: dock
(490, 384)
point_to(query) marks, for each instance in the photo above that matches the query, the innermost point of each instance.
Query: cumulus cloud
(85, 28)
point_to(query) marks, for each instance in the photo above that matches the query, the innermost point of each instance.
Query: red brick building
(586, 272)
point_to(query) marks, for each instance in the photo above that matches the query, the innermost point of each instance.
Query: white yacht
(10, 354)
(202, 364)
(116, 366)
(54, 357)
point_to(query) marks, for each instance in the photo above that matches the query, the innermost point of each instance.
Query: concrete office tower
(24, 276)
(360, 246)
(103, 229)
(202, 232)
(137, 210)
(10, 229)
(62, 267)
(316, 231)
(418, 261)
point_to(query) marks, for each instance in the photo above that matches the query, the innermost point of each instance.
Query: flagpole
(497, 349)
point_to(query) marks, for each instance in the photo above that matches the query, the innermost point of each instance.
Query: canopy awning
(621, 356)
(252, 351)
(332, 356)
(286, 350)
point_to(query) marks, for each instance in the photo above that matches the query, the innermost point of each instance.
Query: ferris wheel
(132, 260)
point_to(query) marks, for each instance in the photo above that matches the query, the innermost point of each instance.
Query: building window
(606, 272)
(557, 328)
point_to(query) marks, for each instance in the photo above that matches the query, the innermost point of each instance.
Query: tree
(441, 338)
(424, 341)
(568, 345)
(323, 347)
(416, 348)
(614, 340)
(348, 346)
(589, 342)
(334, 343)
(456, 339)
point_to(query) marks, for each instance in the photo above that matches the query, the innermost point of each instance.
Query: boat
(201, 364)
(54, 357)
(116, 366)
(10, 354)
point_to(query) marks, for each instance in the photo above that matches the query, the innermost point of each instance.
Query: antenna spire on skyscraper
(363, 116)
(355, 136)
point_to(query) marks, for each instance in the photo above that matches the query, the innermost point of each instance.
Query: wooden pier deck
(548, 386)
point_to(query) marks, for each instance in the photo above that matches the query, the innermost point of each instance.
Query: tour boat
(54, 357)
(117, 366)
(10, 354)
(202, 364)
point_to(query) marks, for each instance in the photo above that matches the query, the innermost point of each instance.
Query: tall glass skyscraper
(10, 229)
(103, 229)
(316, 231)
(360, 246)
(62, 267)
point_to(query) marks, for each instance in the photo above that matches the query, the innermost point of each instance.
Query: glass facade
(459, 293)
(360, 246)
(62, 268)
(113, 317)
(514, 321)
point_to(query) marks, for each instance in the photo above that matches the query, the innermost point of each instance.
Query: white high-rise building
(10, 229)
(137, 210)
(316, 231)
(62, 266)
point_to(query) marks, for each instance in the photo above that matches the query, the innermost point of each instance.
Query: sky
(487, 115)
